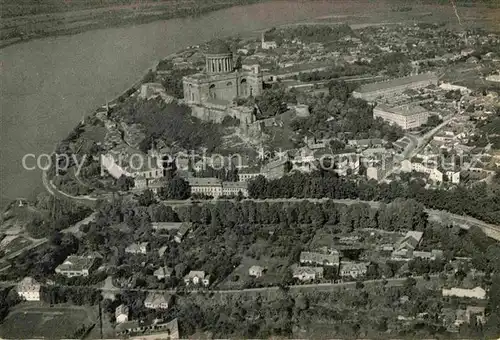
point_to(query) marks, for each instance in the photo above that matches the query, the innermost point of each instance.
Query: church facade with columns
(221, 83)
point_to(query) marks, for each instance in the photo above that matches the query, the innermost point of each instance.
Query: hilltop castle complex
(211, 93)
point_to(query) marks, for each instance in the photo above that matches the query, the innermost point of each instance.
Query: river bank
(24, 28)
(49, 84)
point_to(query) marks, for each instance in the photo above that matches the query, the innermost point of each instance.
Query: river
(47, 85)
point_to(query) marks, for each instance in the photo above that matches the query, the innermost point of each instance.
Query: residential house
(366, 143)
(460, 318)
(411, 240)
(470, 315)
(436, 176)
(157, 301)
(166, 225)
(379, 167)
(121, 313)
(402, 254)
(135, 248)
(405, 248)
(331, 259)
(303, 155)
(349, 239)
(429, 255)
(448, 317)
(352, 269)
(201, 164)
(475, 314)
(156, 184)
(197, 277)
(147, 167)
(453, 177)
(256, 271)
(387, 248)
(248, 175)
(140, 183)
(347, 164)
(430, 169)
(304, 273)
(163, 273)
(183, 231)
(28, 289)
(182, 163)
(267, 45)
(312, 142)
(77, 266)
(475, 293)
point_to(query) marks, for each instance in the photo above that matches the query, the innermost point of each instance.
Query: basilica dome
(218, 47)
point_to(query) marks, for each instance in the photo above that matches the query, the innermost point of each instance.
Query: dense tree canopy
(338, 112)
(171, 122)
(173, 81)
(176, 188)
(478, 201)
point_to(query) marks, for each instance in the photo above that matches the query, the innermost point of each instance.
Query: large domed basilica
(220, 83)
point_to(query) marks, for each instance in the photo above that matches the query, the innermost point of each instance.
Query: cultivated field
(480, 15)
(31, 320)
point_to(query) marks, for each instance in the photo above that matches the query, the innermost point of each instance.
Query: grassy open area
(239, 277)
(476, 14)
(16, 245)
(31, 320)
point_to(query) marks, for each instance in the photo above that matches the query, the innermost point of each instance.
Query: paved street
(314, 286)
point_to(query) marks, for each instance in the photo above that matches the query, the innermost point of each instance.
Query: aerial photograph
(250, 169)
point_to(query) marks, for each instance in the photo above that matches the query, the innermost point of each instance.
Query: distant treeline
(14, 8)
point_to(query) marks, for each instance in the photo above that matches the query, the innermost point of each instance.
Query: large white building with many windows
(406, 116)
(370, 92)
(215, 187)
(206, 186)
